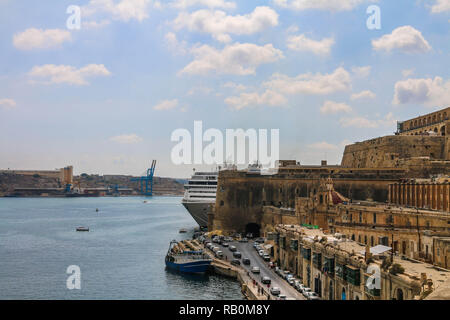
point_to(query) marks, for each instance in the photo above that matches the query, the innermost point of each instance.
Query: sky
(106, 97)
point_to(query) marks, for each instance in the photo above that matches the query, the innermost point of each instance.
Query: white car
(256, 270)
(275, 291)
(306, 291)
(282, 297)
(261, 252)
(312, 296)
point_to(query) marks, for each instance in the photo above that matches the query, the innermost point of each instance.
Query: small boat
(96, 210)
(187, 261)
(183, 230)
(82, 229)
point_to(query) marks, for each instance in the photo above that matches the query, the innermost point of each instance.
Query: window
(360, 217)
(374, 217)
(365, 239)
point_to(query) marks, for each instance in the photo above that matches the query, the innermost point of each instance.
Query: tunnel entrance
(252, 228)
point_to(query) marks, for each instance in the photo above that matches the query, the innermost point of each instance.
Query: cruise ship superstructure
(200, 196)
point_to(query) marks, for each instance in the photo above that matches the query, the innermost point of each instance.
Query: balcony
(317, 260)
(353, 275)
(306, 253)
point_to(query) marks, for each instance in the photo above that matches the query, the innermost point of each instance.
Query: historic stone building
(337, 268)
(435, 122)
(422, 193)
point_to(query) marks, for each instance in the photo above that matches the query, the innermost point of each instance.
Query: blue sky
(106, 98)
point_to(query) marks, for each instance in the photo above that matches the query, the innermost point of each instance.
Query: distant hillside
(161, 186)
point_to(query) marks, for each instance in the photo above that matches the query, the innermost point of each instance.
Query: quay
(251, 287)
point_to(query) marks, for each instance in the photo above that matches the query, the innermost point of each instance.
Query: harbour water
(121, 257)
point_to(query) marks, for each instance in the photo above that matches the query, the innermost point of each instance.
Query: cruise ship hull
(199, 211)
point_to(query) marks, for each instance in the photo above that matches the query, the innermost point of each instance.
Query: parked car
(255, 245)
(312, 296)
(256, 270)
(266, 280)
(266, 257)
(285, 274)
(260, 240)
(300, 288)
(275, 291)
(215, 249)
(261, 252)
(208, 245)
(271, 265)
(249, 235)
(243, 240)
(291, 281)
(237, 254)
(228, 239)
(246, 261)
(225, 244)
(236, 262)
(219, 254)
(282, 297)
(305, 291)
(232, 248)
(277, 271)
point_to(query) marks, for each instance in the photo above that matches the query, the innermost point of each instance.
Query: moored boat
(187, 261)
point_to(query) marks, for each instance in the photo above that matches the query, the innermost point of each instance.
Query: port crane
(146, 181)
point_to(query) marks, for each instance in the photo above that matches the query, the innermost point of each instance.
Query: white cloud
(363, 122)
(361, 72)
(234, 86)
(166, 105)
(366, 94)
(269, 97)
(220, 25)
(124, 10)
(440, 6)
(127, 139)
(332, 5)
(184, 4)
(404, 38)
(323, 146)
(7, 103)
(430, 92)
(308, 83)
(40, 39)
(302, 43)
(176, 46)
(331, 107)
(239, 59)
(51, 73)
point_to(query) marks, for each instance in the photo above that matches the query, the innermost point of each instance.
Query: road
(247, 251)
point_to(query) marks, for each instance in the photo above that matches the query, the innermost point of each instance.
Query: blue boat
(187, 261)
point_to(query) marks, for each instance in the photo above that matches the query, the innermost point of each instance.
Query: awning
(379, 249)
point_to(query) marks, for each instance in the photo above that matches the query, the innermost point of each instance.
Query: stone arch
(253, 228)
(343, 294)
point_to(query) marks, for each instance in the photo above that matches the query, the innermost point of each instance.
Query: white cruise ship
(200, 196)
